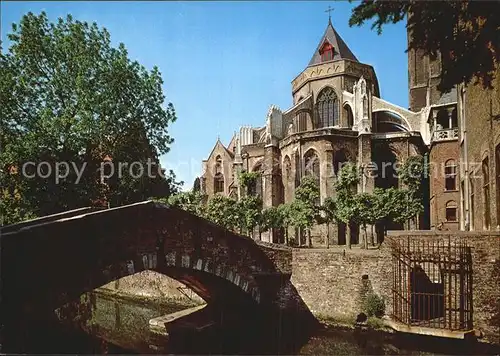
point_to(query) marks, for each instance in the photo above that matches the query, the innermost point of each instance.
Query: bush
(374, 305)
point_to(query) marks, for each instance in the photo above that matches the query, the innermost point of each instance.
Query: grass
(342, 321)
(375, 323)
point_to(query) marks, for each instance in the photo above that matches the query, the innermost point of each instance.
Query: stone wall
(150, 284)
(331, 281)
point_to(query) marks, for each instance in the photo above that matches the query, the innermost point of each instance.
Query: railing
(432, 284)
(445, 135)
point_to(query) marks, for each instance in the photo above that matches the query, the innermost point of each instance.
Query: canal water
(103, 324)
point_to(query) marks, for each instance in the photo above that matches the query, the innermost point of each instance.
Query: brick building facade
(464, 147)
(442, 121)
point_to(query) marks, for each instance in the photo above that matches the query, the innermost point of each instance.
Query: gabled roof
(341, 51)
(223, 147)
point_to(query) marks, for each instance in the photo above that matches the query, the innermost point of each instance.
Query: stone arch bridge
(50, 261)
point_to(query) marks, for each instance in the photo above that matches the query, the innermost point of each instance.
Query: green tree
(345, 186)
(463, 33)
(248, 181)
(13, 207)
(250, 210)
(272, 218)
(382, 209)
(286, 219)
(412, 174)
(305, 207)
(190, 201)
(69, 96)
(328, 213)
(223, 211)
(197, 185)
(364, 205)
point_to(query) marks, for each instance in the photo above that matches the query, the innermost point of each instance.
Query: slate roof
(340, 47)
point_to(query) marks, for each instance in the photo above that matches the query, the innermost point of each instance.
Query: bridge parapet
(47, 264)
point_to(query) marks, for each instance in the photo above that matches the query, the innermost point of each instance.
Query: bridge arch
(66, 255)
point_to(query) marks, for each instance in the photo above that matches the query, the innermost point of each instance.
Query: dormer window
(326, 52)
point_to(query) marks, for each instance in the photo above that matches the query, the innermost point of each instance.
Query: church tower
(332, 70)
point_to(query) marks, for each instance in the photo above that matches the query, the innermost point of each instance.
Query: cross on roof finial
(329, 10)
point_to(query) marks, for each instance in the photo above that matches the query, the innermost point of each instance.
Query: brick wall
(440, 153)
(480, 120)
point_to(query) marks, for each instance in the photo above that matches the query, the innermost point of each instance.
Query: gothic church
(337, 116)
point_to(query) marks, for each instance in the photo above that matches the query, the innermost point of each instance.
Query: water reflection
(114, 325)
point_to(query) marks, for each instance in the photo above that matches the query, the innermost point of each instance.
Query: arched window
(297, 170)
(287, 169)
(472, 202)
(311, 164)
(485, 167)
(339, 159)
(301, 121)
(218, 165)
(451, 211)
(256, 188)
(327, 108)
(219, 183)
(349, 115)
(450, 175)
(365, 106)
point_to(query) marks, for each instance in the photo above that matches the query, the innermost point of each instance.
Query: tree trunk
(308, 236)
(366, 237)
(327, 235)
(286, 236)
(348, 235)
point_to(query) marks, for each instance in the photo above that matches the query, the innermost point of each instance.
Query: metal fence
(432, 283)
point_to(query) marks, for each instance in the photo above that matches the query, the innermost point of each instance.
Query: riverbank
(163, 301)
(382, 338)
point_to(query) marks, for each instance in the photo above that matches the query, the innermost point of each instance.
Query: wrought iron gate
(432, 283)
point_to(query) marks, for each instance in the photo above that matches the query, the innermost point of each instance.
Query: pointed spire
(341, 51)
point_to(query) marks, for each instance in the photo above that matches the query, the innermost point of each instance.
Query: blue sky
(224, 63)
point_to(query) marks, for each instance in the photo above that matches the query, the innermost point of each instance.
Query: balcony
(445, 135)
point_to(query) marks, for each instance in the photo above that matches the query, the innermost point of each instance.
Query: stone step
(157, 325)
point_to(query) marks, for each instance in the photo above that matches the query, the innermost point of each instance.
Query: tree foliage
(347, 179)
(464, 34)
(250, 212)
(190, 201)
(304, 209)
(272, 218)
(246, 179)
(223, 211)
(197, 185)
(69, 96)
